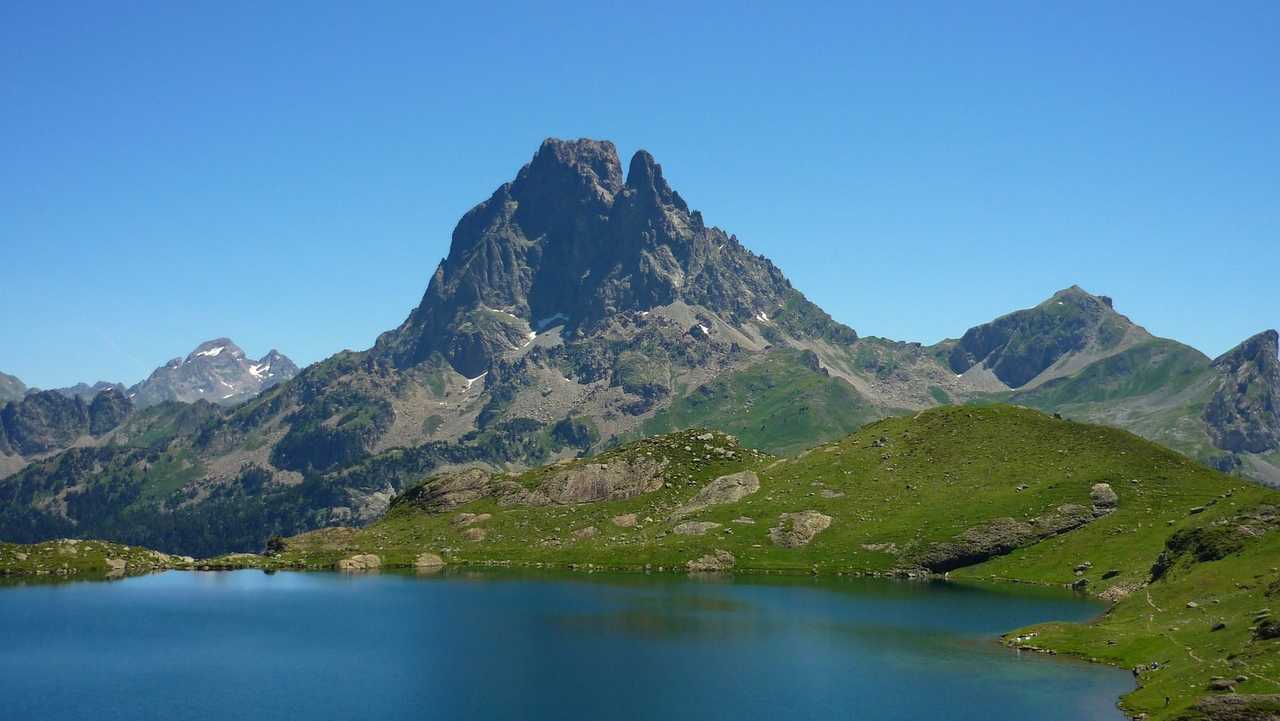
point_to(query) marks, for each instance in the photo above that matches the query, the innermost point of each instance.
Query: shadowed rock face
(46, 421)
(569, 240)
(1244, 413)
(999, 537)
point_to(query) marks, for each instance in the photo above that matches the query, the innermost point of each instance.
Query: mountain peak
(214, 348)
(645, 177)
(567, 238)
(574, 166)
(1026, 347)
(216, 371)
(1263, 349)
(1080, 297)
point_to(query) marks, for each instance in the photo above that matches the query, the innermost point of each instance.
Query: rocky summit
(216, 371)
(580, 307)
(570, 244)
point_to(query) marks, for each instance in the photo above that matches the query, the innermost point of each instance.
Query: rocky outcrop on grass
(725, 489)
(717, 561)
(1235, 707)
(590, 482)
(998, 537)
(798, 529)
(575, 483)
(361, 562)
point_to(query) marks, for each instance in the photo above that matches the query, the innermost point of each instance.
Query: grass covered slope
(782, 403)
(893, 491)
(83, 559)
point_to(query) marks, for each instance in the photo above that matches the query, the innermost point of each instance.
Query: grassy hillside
(781, 403)
(82, 559)
(897, 494)
(996, 492)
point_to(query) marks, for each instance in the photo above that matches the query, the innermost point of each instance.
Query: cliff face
(569, 242)
(1244, 412)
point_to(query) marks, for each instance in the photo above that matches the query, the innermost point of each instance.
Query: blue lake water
(248, 646)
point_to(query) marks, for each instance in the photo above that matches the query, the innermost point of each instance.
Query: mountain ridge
(578, 309)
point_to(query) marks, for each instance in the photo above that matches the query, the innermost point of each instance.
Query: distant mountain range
(216, 371)
(576, 309)
(34, 423)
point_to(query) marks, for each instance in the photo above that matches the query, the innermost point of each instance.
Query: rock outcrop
(361, 562)
(725, 489)
(998, 537)
(798, 529)
(428, 560)
(577, 483)
(717, 561)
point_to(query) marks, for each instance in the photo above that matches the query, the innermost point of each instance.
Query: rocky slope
(216, 371)
(1244, 413)
(579, 308)
(86, 392)
(45, 421)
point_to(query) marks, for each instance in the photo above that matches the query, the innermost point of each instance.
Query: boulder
(798, 529)
(725, 489)
(1222, 684)
(717, 561)
(1103, 497)
(583, 534)
(626, 520)
(428, 560)
(361, 562)
(474, 534)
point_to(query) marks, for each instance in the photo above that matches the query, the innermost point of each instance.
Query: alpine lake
(252, 646)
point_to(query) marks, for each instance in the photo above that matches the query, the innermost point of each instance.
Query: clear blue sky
(288, 174)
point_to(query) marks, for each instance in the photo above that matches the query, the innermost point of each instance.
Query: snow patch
(212, 352)
(762, 317)
(470, 381)
(227, 396)
(545, 323)
(257, 371)
(705, 330)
